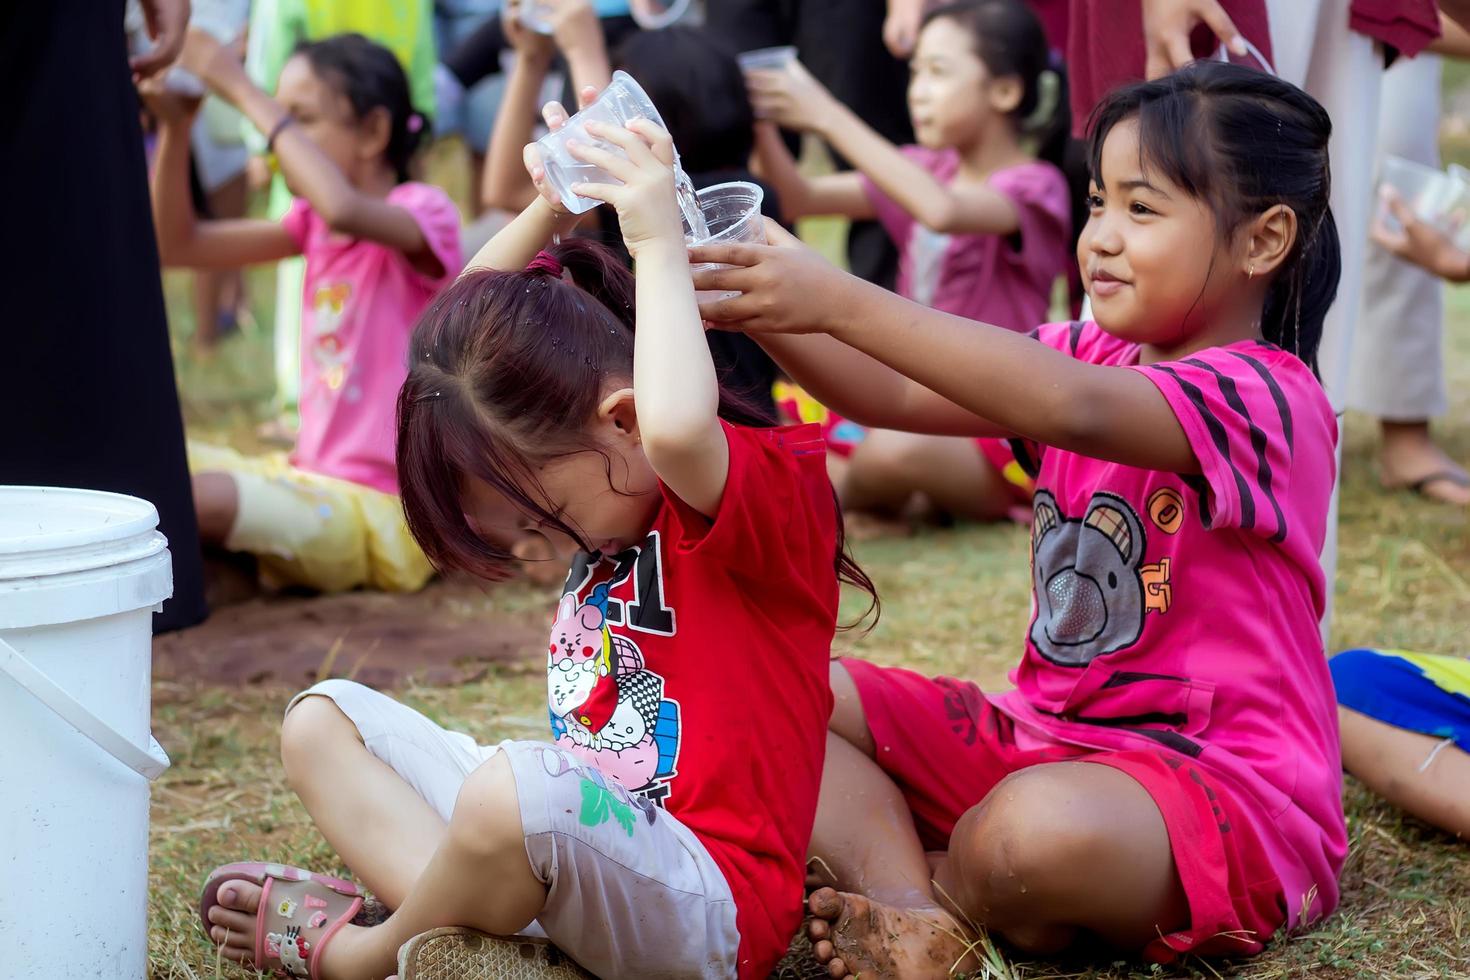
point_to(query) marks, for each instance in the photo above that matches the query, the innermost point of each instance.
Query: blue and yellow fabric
(1422, 692)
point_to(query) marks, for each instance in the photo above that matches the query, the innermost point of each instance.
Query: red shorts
(946, 747)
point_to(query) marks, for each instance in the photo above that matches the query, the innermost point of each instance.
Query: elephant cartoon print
(1090, 596)
(606, 706)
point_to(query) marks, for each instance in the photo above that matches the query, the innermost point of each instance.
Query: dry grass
(954, 602)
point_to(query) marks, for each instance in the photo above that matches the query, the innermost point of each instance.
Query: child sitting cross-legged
(661, 827)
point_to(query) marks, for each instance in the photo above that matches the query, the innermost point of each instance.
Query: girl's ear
(1006, 93)
(1272, 235)
(375, 129)
(618, 413)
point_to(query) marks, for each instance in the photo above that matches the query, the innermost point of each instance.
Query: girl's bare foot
(855, 936)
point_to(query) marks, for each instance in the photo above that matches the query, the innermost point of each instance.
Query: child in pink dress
(377, 247)
(981, 224)
(1165, 775)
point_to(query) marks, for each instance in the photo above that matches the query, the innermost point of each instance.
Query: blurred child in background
(981, 223)
(377, 246)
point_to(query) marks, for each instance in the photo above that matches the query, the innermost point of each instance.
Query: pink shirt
(1182, 611)
(358, 308)
(991, 278)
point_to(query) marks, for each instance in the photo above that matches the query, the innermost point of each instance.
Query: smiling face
(1150, 253)
(609, 494)
(952, 97)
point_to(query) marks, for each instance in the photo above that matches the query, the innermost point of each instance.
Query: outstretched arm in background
(184, 240)
(799, 194)
(792, 98)
(675, 389)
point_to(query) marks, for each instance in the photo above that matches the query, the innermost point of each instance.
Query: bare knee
(1019, 851)
(486, 822)
(312, 724)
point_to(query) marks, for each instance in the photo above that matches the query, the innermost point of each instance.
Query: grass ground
(954, 602)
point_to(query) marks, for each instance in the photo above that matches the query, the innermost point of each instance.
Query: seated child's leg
(1053, 850)
(383, 826)
(1396, 709)
(216, 504)
(903, 763)
(888, 468)
(1392, 761)
(619, 884)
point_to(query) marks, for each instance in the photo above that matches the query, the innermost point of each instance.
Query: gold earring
(1250, 273)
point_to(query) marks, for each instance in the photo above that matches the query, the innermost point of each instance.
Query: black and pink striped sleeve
(1255, 419)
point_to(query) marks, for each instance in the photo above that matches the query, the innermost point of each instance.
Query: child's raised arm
(799, 194)
(578, 33)
(311, 173)
(675, 389)
(183, 240)
(792, 98)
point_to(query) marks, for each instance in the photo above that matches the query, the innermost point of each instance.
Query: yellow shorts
(313, 530)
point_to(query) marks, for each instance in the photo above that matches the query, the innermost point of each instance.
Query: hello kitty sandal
(291, 900)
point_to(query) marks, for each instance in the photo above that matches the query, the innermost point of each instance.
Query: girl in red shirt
(662, 829)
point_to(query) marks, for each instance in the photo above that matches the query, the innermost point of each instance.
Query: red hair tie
(545, 262)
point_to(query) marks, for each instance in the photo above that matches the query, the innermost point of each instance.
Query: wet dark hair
(505, 370)
(1009, 40)
(370, 77)
(695, 81)
(1244, 141)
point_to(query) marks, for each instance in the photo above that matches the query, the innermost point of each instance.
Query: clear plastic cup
(733, 213)
(536, 15)
(1429, 193)
(653, 15)
(766, 59)
(619, 104)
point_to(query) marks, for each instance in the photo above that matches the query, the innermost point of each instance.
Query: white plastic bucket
(81, 573)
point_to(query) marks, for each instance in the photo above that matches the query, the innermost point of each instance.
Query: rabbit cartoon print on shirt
(605, 705)
(1089, 579)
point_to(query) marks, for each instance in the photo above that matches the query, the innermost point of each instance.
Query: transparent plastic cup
(536, 15)
(733, 213)
(619, 104)
(766, 59)
(1429, 193)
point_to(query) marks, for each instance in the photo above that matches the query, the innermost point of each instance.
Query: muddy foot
(856, 937)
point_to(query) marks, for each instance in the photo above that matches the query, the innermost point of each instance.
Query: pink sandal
(290, 899)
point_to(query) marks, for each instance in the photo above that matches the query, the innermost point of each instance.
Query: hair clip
(415, 122)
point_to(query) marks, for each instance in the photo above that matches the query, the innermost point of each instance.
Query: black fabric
(88, 396)
(841, 43)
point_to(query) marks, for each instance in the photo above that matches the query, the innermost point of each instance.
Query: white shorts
(631, 892)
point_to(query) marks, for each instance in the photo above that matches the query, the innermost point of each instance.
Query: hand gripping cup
(1433, 196)
(733, 214)
(619, 104)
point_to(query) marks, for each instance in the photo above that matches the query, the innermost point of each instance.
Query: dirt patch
(447, 634)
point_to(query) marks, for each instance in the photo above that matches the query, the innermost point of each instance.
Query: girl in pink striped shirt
(1164, 776)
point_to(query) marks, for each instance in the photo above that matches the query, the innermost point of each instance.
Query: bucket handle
(150, 764)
